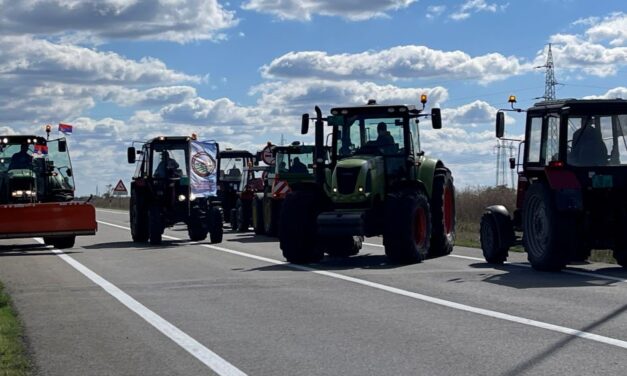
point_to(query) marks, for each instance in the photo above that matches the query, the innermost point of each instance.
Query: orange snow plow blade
(48, 219)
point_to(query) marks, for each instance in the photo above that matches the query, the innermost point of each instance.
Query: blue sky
(242, 71)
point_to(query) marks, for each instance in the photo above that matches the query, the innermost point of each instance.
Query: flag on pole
(65, 128)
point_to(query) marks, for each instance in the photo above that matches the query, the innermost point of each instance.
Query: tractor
(572, 185)
(37, 192)
(231, 163)
(293, 163)
(253, 181)
(377, 181)
(175, 181)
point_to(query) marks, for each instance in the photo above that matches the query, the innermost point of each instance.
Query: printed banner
(203, 168)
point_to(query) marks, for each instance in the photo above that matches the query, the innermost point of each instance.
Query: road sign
(120, 188)
(266, 155)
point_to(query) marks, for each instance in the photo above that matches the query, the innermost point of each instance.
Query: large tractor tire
(271, 217)
(196, 230)
(442, 214)
(496, 235)
(216, 218)
(139, 220)
(297, 228)
(155, 224)
(343, 246)
(60, 242)
(243, 216)
(407, 228)
(258, 224)
(233, 219)
(547, 233)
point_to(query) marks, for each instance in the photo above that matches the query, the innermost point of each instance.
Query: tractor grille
(346, 179)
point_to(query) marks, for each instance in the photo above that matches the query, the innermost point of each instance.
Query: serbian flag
(41, 149)
(65, 128)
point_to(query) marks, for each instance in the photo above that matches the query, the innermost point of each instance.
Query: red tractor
(572, 185)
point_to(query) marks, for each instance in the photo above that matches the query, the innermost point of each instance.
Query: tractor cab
(572, 184)
(33, 169)
(231, 165)
(175, 181)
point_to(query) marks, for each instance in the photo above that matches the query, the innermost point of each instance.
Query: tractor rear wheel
(155, 224)
(546, 234)
(258, 214)
(233, 219)
(297, 228)
(60, 242)
(271, 217)
(496, 236)
(216, 218)
(407, 228)
(139, 220)
(343, 246)
(442, 214)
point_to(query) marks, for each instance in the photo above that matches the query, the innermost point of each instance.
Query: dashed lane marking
(417, 296)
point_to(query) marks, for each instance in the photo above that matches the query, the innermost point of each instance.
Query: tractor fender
(498, 210)
(426, 172)
(410, 185)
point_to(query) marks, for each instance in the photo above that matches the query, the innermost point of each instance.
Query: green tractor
(377, 181)
(293, 164)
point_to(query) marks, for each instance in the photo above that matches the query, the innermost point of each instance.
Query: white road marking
(418, 296)
(113, 211)
(568, 270)
(200, 352)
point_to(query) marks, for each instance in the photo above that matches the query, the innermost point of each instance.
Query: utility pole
(549, 80)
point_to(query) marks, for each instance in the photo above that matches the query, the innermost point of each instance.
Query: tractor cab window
(142, 168)
(58, 164)
(552, 139)
(16, 156)
(382, 136)
(597, 140)
(296, 162)
(534, 140)
(169, 161)
(231, 170)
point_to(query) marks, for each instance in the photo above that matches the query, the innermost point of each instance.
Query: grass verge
(13, 359)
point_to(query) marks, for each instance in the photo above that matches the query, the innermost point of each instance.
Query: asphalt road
(112, 307)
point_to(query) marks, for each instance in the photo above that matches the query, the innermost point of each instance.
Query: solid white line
(200, 352)
(112, 211)
(426, 298)
(569, 270)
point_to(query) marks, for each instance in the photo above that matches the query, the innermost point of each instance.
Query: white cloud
(91, 20)
(571, 52)
(612, 28)
(475, 6)
(434, 11)
(615, 93)
(402, 62)
(354, 10)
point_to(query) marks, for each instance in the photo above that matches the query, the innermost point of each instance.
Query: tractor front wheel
(297, 228)
(271, 217)
(496, 236)
(155, 223)
(196, 230)
(216, 218)
(139, 220)
(258, 214)
(546, 234)
(343, 246)
(407, 229)
(60, 242)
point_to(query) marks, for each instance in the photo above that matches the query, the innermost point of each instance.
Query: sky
(242, 72)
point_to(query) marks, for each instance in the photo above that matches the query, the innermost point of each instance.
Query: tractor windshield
(59, 165)
(231, 169)
(298, 161)
(361, 135)
(170, 160)
(597, 140)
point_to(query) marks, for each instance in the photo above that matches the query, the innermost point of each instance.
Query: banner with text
(203, 167)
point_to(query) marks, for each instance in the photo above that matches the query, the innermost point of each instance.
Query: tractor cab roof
(581, 106)
(293, 149)
(235, 154)
(170, 140)
(22, 139)
(376, 110)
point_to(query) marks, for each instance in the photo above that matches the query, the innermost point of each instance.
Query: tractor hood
(352, 178)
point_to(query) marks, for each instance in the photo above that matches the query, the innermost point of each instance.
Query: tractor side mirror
(512, 163)
(68, 172)
(500, 124)
(436, 118)
(62, 146)
(130, 154)
(304, 126)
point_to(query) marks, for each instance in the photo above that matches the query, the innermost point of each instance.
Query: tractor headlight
(192, 197)
(360, 189)
(334, 189)
(181, 198)
(18, 193)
